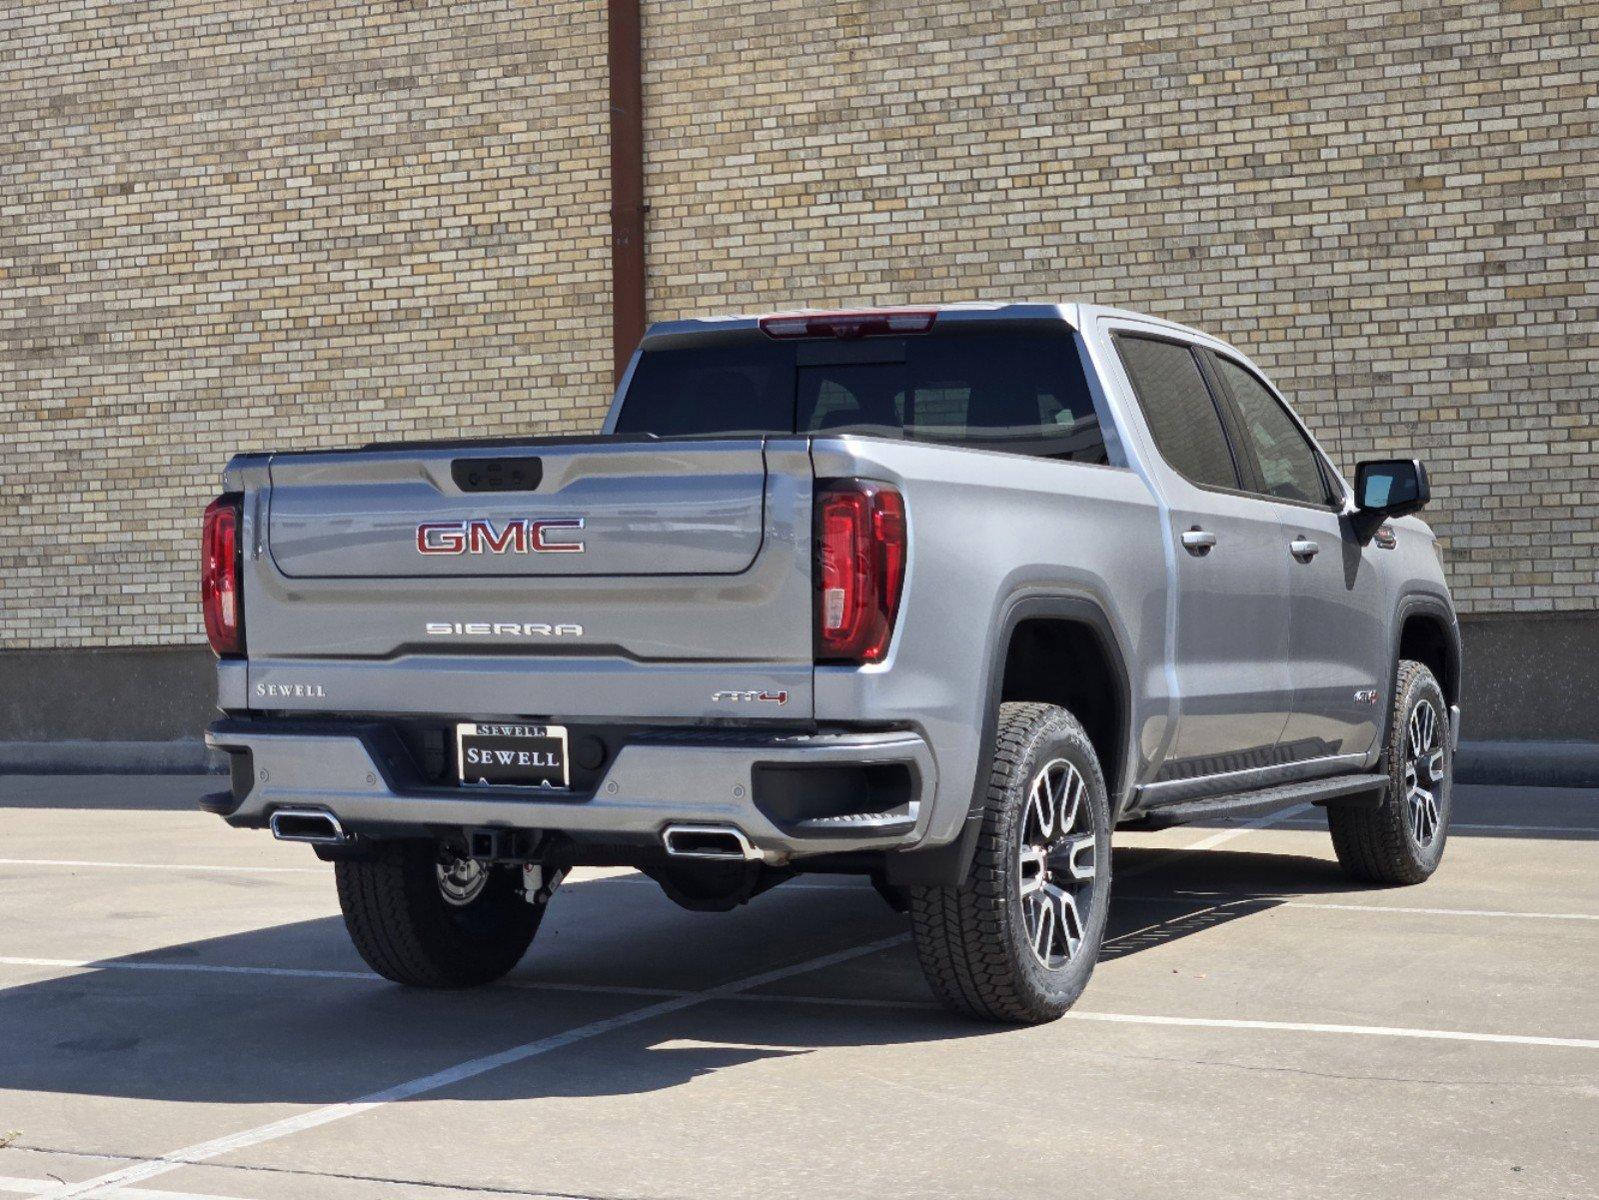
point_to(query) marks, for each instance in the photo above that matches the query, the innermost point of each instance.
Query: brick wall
(1391, 206)
(246, 226)
(241, 226)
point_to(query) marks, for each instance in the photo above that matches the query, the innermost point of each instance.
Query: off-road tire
(972, 938)
(407, 931)
(1379, 845)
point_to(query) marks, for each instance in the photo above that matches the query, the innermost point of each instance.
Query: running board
(1357, 790)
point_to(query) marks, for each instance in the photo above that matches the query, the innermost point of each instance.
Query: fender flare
(1410, 604)
(948, 864)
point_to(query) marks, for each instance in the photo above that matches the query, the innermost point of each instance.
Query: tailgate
(594, 509)
(580, 579)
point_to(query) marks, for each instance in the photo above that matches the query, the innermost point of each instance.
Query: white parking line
(175, 866)
(615, 989)
(1172, 854)
(1227, 835)
(1222, 899)
(1448, 912)
(118, 964)
(1449, 1035)
(1475, 827)
(1118, 948)
(527, 985)
(18, 1186)
(315, 1118)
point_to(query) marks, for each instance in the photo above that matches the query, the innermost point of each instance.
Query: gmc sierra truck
(934, 596)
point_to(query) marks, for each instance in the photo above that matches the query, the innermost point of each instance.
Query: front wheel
(1017, 941)
(421, 916)
(1402, 840)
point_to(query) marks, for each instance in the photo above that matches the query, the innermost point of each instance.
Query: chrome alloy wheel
(1057, 865)
(1424, 771)
(461, 880)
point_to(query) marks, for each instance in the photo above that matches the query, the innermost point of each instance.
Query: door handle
(1304, 549)
(1198, 541)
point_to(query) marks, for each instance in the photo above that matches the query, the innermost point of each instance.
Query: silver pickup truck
(935, 596)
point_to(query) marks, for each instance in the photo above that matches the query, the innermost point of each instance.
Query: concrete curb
(183, 756)
(1529, 764)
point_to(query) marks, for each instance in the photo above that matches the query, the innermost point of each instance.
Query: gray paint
(646, 788)
(337, 517)
(1220, 650)
(714, 631)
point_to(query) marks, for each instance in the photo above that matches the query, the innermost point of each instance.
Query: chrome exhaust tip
(720, 843)
(312, 825)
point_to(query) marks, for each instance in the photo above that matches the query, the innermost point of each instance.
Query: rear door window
(1183, 418)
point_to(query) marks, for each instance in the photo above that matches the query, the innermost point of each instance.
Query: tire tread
(960, 932)
(1373, 844)
(396, 920)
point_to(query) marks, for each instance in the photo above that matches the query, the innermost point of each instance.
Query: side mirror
(1386, 488)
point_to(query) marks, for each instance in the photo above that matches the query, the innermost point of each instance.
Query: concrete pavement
(171, 990)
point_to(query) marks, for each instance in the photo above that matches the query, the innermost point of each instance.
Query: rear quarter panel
(987, 530)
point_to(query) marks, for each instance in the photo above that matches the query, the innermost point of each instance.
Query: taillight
(860, 536)
(879, 322)
(220, 595)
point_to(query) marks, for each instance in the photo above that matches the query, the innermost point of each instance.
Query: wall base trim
(181, 756)
(1529, 764)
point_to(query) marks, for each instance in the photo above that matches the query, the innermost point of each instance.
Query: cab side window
(1177, 405)
(1287, 462)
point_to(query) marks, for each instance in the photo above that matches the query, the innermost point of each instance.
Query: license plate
(531, 756)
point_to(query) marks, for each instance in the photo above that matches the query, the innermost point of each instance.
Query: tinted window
(1287, 462)
(1177, 404)
(1023, 392)
(742, 388)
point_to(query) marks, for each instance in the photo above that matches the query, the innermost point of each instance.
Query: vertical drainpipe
(625, 53)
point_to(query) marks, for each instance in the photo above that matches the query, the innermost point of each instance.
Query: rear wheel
(1402, 840)
(422, 916)
(1017, 941)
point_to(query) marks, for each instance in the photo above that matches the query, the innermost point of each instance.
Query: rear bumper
(791, 795)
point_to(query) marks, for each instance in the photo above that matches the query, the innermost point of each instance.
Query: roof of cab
(692, 330)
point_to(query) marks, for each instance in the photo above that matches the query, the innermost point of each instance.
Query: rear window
(1024, 391)
(743, 388)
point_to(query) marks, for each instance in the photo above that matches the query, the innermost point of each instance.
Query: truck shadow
(298, 1020)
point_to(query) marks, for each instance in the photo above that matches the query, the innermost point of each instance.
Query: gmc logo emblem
(520, 535)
